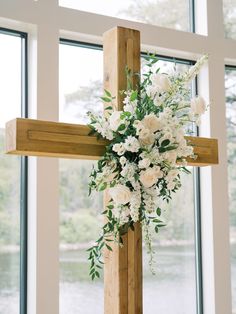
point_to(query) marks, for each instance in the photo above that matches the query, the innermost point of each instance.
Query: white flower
(151, 91)
(130, 106)
(170, 156)
(119, 148)
(132, 144)
(150, 176)
(161, 81)
(144, 163)
(146, 137)
(123, 161)
(128, 171)
(152, 123)
(115, 120)
(172, 175)
(198, 105)
(120, 194)
(171, 185)
(124, 215)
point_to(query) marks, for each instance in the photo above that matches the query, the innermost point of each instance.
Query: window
(80, 88)
(80, 219)
(168, 13)
(13, 176)
(230, 18)
(74, 19)
(230, 85)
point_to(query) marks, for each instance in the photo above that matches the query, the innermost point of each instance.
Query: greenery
(9, 196)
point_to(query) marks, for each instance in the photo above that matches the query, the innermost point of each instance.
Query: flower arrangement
(147, 153)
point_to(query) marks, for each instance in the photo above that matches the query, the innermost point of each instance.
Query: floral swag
(142, 164)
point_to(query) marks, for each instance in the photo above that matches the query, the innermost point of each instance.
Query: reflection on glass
(173, 289)
(230, 85)
(10, 103)
(81, 71)
(167, 13)
(230, 18)
(80, 223)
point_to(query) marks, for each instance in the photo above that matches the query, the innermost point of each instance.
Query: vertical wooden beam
(123, 266)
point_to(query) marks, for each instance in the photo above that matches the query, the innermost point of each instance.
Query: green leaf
(134, 95)
(157, 220)
(107, 93)
(165, 143)
(125, 114)
(156, 229)
(106, 99)
(110, 206)
(108, 247)
(161, 225)
(121, 127)
(158, 211)
(109, 108)
(102, 187)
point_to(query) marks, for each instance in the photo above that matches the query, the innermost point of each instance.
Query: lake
(171, 290)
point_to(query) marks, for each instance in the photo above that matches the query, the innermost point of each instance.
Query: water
(9, 283)
(170, 291)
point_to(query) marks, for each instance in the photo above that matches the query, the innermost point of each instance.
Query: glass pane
(80, 223)
(173, 289)
(230, 85)
(80, 219)
(80, 83)
(10, 104)
(174, 246)
(230, 18)
(167, 13)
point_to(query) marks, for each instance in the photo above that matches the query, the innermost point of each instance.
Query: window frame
(36, 20)
(23, 170)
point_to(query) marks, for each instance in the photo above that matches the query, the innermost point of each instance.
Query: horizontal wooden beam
(55, 139)
(52, 139)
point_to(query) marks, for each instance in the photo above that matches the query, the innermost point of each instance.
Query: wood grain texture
(123, 285)
(53, 139)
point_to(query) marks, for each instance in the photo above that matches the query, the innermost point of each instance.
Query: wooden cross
(123, 267)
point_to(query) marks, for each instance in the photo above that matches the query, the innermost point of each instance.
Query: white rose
(198, 105)
(161, 81)
(146, 137)
(115, 120)
(144, 163)
(120, 194)
(150, 176)
(152, 123)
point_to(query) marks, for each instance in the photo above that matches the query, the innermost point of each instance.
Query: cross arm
(56, 139)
